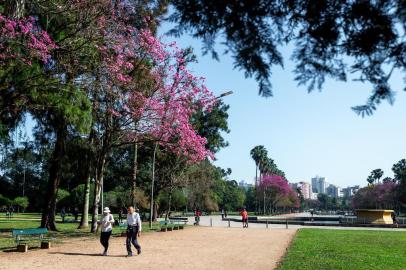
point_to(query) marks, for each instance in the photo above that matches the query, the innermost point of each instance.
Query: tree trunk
(97, 191)
(169, 205)
(256, 188)
(84, 221)
(152, 212)
(14, 8)
(134, 179)
(48, 214)
(155, 213)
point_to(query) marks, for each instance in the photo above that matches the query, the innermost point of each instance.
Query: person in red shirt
(244, 215)
(197, 217)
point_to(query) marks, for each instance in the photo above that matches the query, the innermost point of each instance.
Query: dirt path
(192, 248)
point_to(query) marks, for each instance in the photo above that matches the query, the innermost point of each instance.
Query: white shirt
(107, 223)
(134, 220)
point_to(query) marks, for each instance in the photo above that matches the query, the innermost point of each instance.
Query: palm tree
(377, 174)
(269, 166)
(257, 154)
(370, 180)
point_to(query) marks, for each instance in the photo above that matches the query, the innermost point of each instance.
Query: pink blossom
(22, 40)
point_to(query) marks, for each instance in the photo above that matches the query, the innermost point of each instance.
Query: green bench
(166, 226)
(178, 223)
(25, 236)
(123, 229)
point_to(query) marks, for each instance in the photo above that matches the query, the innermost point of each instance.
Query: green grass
(315, 249)
(66, 230)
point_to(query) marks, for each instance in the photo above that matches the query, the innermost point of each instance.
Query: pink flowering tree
(160, 107)
(276, 192)
(380, 196)
(22, 40)
(145, 93)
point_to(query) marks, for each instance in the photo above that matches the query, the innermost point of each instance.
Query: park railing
(353, 220)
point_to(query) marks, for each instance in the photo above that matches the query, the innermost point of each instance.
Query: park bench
(166, 226)
(123, 228)
(179, 222)
(25, 236)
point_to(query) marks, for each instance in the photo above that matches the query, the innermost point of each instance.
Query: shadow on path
(85, 254)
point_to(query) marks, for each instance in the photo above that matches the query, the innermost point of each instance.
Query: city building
(333, 191)
(319, 184)
(348, 192)
(245, 185)
(306, 190)
(304, 187)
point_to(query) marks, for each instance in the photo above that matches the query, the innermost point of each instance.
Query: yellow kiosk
(372, 216)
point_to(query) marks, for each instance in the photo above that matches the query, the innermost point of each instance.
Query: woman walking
(106, 224)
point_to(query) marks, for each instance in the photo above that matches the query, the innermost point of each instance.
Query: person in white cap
(106, 224)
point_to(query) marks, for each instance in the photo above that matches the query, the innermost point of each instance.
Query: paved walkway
(218, 222)
(192, 248)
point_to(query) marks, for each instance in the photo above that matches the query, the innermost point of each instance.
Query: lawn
(66, 230)
(346, 249)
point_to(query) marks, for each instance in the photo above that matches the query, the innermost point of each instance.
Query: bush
(21, 202)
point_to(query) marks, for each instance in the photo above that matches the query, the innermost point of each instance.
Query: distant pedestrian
(106, 224)
(63, 214)
(120, 215)
(244, 217)
(134, 227)
(76, 213)
(197, 217)
(222, 213)
(395, 220)
(225, 213)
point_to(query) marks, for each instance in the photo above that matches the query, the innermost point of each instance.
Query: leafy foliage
(330, 39)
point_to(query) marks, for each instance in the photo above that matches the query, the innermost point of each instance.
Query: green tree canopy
(331, 39)
(21, 202)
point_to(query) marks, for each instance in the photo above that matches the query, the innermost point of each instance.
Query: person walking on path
(222, 213)
(244, 215)
(106, 224)
(63, 214)
(133, 231)
(120, 215)
(197, 217)
(395, 220)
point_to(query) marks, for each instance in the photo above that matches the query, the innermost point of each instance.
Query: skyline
(306, 134)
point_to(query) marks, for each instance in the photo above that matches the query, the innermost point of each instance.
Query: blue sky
(306, 134)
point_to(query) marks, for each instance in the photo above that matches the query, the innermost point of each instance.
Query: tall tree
(258, 153)
(399, 170)
(377, 175)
